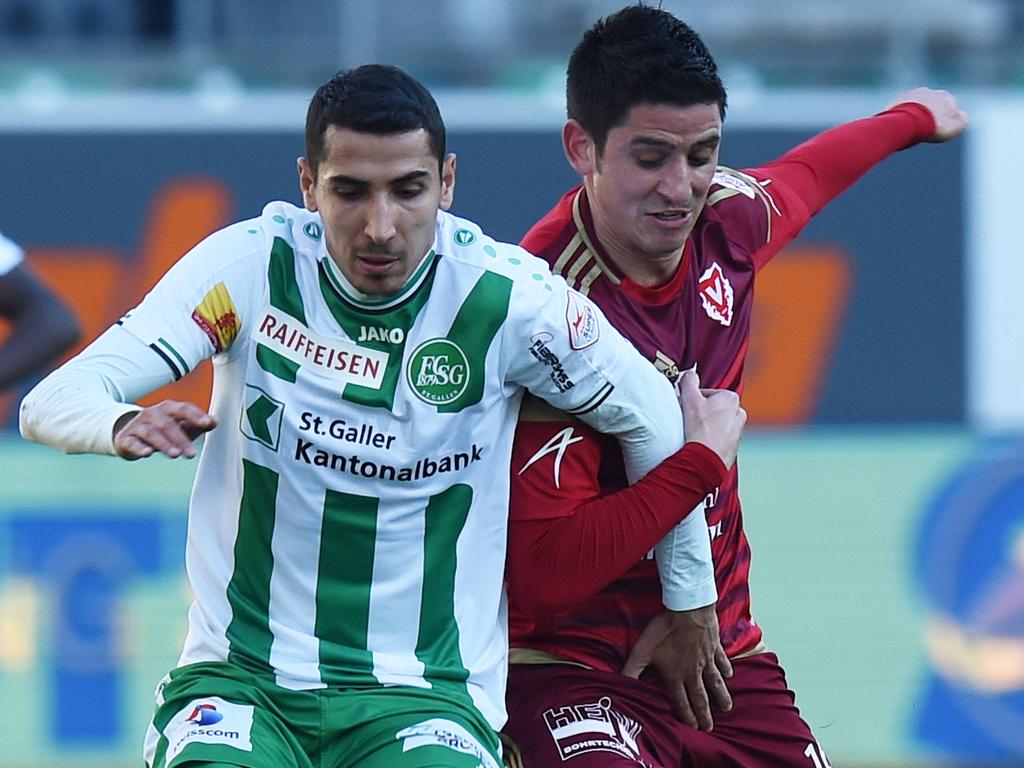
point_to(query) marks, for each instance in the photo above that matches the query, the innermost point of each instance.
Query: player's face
(378, 198)
(650, 183)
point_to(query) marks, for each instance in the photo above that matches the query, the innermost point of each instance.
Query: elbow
(29, 415)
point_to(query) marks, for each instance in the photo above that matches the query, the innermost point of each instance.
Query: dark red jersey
(699, 317)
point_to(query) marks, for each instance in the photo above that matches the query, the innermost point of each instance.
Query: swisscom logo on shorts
(210, 721)
(438, 371)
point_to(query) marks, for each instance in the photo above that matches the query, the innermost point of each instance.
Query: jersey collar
(356, 298)
(655, 296)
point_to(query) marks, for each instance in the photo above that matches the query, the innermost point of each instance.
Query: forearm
(827, 164)
(554, 564)
(684, 557)
(75, 408)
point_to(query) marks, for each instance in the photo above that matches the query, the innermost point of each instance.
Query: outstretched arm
(86, 405)
(806, 178)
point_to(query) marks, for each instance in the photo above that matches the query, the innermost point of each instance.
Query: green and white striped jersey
(347, 525)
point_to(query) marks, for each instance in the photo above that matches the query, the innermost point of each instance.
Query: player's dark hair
(373, 98)
(638, 55)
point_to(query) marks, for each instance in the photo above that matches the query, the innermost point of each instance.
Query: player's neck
(646, 269)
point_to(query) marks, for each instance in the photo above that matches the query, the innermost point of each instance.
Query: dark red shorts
(561, 714)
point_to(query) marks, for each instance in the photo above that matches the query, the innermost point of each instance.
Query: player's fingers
(718, 692)
(161, 434)
(722, 662)
(189, 414)
(194, 430)
(700, 705)
(131, 448)
(635, 665)
(688, 385)
(681, 705)
(721, 395)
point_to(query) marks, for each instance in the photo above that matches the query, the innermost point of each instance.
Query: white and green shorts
(220, 713)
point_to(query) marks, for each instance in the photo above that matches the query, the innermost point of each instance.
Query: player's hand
(950, 119)
(169, 427)
(713, 417)
(685, 649)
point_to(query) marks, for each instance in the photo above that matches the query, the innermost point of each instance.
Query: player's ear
(307, 183)
(580, 149)
(448, 181)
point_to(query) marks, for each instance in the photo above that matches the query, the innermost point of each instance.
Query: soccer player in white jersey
(348, 521)
(41, 327)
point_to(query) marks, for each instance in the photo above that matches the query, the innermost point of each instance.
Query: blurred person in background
(348, 521)
(40, 325)
(668, 244)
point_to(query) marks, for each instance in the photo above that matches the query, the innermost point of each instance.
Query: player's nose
(674, 183)
(381, 223)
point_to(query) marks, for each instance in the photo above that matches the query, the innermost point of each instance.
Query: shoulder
(739, 187)
(297, 227)
(239, 254)
(514, 284)
(465, 244)
(742, 204)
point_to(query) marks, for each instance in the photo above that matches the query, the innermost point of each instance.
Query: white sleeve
(75, 407)
(582, 365)
(206, 300)
(195, 311)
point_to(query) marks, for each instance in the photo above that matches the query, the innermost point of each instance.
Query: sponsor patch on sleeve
(581, 318)
(217, 317)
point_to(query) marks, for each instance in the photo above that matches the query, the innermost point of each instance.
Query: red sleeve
(566, 542)
(809, 176)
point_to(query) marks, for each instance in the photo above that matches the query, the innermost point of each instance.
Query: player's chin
(380, 283)
(664, 244)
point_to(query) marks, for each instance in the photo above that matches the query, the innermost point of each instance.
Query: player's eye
(649, 162)
(349, 193)
(409, 193)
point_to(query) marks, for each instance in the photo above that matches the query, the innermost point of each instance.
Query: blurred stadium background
(884, 469)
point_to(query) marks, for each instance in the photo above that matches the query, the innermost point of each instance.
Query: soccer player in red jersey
(668, 244)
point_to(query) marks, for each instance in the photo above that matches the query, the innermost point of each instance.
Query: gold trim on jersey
(666, 365)
(588, 280)
(565, 255)
(590, 254)
(754, 187)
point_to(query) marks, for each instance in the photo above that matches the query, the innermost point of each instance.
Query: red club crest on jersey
(716, 294)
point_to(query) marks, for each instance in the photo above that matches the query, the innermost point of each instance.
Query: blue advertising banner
(859, 321)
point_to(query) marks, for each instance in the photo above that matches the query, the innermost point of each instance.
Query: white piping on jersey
(364, 301)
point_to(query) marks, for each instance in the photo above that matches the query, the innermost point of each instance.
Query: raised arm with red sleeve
(809, 176)
(566, 541)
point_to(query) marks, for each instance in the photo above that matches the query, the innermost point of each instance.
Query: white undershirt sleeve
(75, 407)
